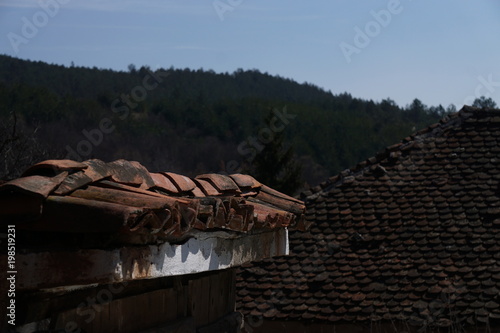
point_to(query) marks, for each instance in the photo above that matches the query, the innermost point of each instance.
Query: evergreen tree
(275, 164)
(483, 102)
(451, 109)
(188, 113)
(416, 110)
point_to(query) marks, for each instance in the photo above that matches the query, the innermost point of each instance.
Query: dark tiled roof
(123, 197)
(412, 234)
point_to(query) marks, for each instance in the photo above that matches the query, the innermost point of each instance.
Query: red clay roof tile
(35, 185)
(183, 183)
(129, 173)
(131, 199)
(123, 198)
(163, 183)
(245, 181)
(207, 188)
(76, 215)
(54, 166)
(73, 182)
(220, 182)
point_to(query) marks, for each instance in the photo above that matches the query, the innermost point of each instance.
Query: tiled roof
(412, 234)
(123, 197)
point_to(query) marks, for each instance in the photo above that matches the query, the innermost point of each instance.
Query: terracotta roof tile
(34, 185)
(220, 182)
(163, 183)
(197, 192)
(183, 183)
(245, 181)
(411, 234)
(73, 182)
(207, 188)
(130, 173)
(123, 198)
(54, 166)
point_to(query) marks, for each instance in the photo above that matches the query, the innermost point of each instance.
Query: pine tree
(483, 102)
(275, 164)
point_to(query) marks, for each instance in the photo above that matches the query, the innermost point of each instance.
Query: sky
(440, 52)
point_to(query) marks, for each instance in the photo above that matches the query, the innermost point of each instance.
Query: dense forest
(192, 121)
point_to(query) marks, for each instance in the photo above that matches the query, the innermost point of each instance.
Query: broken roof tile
(96, 169)
(73, 182)
(129, 173)
(123, 198)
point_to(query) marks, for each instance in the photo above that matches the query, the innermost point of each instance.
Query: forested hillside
(189, 121)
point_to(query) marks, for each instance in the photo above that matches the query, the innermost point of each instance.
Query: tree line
(193, 121)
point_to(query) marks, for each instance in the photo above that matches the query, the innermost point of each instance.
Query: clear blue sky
(441, 52)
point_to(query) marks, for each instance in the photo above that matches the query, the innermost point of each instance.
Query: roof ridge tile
(119, 190)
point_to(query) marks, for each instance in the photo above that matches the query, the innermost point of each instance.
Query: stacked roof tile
(123, 197)
(412, 234)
